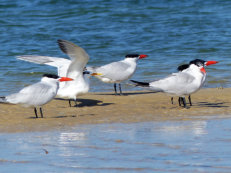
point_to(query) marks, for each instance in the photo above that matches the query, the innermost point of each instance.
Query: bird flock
(73, 75)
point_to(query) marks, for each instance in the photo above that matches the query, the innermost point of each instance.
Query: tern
(116, 72)
(38, 94)
(185, 67)
(182, 83)
(73, 68)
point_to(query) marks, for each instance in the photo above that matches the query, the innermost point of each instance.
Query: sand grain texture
(95, 108)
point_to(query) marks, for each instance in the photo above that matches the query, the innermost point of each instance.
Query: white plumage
(182, 83)
(38, 94)
(116, 72)
(73, 68)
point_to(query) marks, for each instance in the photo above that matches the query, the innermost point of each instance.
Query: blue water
(201, 145)
(170, 32)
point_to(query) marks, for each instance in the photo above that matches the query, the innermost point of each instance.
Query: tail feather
(143, 84)
(2, 99)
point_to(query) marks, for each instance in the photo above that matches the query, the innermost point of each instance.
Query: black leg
(41, 112)
(115, 88)
(189, 99)
(120, 89)
(35, 112)
(184, 101)
(70, 102)
(179, 100)
(172, 100)
(76, 105)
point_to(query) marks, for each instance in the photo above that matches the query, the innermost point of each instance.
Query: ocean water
(200, 145)
(171, 32)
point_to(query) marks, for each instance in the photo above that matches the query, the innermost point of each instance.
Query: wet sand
(94, 108)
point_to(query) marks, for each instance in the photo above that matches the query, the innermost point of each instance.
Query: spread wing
(62, 64)
(78, 56)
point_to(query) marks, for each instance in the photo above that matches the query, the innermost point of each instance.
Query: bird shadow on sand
(32, 118)
(72, 116)
(87, 102)
(128, 93)
(214, 105)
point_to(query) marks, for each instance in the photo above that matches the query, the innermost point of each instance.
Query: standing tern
(37, 94)
(73, 68)
(116, 72)
(182, 83)
(185, 67)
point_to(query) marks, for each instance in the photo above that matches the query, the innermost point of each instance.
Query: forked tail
(2, 99)
(142, 84)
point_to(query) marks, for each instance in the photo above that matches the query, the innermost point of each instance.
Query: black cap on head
(132, 55)
(198, 62)
(86, 72)
(183, 67)
(51, 76)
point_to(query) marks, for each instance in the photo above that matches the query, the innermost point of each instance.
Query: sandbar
(132, 107)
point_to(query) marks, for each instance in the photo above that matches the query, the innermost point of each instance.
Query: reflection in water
(67, 137)
(199, 128)
(178, 146)
(195, 127)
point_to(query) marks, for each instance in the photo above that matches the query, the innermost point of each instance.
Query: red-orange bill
(210, 62)
(63, 79)
(142, 56)
(202, 70)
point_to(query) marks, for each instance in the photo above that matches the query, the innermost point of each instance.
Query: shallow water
(200, 145)
(170, 32)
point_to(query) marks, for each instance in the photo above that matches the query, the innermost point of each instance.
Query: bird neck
(130, 61)
(49, 81)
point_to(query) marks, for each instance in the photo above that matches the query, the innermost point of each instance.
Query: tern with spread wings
(73, 68)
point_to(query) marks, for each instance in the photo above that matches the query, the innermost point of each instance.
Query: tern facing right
(116, 72)
(73, 68)
(180, 84)
(37, 94)
(185, 67)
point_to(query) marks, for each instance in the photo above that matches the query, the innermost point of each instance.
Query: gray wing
(36, 94)
(78, 55)
(174, 82)
(62, 64)
(114, 70)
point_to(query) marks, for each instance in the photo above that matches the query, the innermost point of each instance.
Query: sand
(95, 108)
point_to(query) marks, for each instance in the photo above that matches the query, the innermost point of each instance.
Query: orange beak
(202, 70)
(142, 56)
(63, 79)
(207, 63)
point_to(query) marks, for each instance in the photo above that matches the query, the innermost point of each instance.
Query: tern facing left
(116, 72)
(180, 84)
(37, 94)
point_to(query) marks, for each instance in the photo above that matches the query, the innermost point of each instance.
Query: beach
(101, 108)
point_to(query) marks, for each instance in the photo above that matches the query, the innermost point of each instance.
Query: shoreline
(99, 108)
